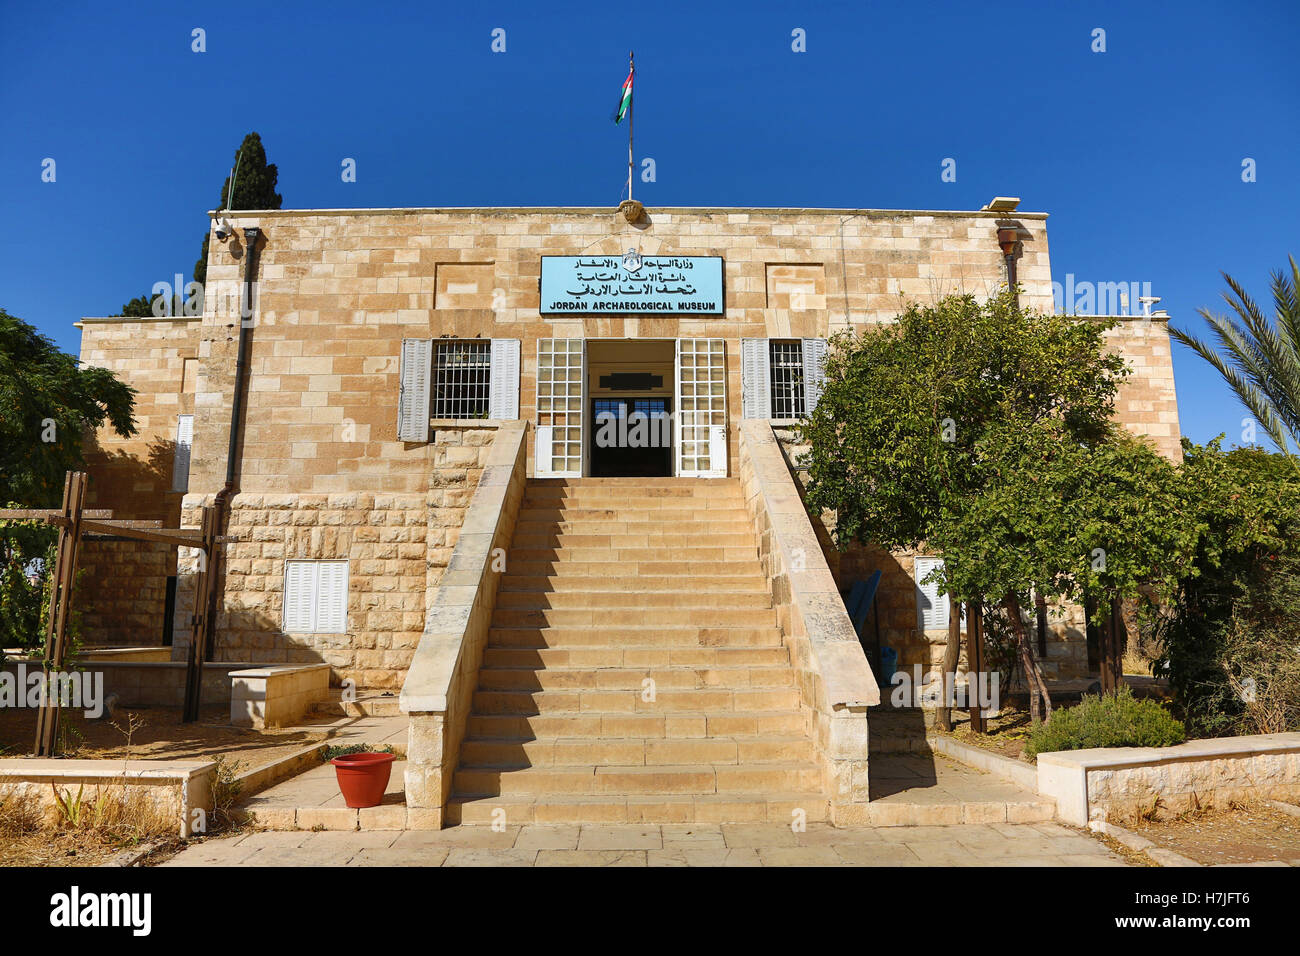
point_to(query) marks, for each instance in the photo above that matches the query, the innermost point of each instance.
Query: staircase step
(773, 723)
(744, 700)
(614, 589)
(672, 554)
(633, 678)
(629, 617)
(623, 517)
(699, 572)
(519, 753)
(572, 583)
(658, 780)
(618, 541)
(556, 810)
(612, 515)
(636, 657)
(654, 601)
(669, 636)
(359, 704)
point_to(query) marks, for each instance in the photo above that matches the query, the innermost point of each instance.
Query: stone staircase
(635, 672)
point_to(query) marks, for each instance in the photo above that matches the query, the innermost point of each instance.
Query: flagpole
(631, 72)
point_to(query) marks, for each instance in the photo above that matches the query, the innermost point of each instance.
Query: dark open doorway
(631, 437)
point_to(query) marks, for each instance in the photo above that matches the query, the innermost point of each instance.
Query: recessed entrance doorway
(630, 393)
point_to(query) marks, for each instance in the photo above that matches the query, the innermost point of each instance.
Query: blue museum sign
(631, 283)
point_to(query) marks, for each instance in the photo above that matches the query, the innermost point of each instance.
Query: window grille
(462, 379)
(786, 364)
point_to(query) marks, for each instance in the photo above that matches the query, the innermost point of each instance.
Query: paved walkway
(998, 844)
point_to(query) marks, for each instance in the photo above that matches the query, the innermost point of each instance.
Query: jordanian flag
(625, 98)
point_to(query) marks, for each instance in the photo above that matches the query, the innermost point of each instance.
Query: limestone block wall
(337, 290)
(1147, 403)
(397, 547)
(121, 591)
(1120, 784)
(158, 358)
(124, 584)
(321, 472)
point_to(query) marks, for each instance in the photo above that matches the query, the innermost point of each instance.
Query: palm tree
(1259, 359)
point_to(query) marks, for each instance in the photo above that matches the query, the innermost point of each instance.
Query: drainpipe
(1008, 236)
(222, 501)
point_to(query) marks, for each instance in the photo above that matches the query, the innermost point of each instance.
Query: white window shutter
(755, 379)
(299, 596)
(181, 459)
(331, 597)
(931, 607)
(503, 400)
(542, 466)
(814, 372)
(315, 597)
(415, 374)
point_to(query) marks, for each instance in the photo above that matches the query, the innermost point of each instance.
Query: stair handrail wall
(836, 683)
(443, 675)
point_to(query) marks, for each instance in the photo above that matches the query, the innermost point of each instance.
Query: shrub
(349, 749)
(1112, 720)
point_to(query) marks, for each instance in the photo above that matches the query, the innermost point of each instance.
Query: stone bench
(1125, 781)
(275, 696)
(170, 791)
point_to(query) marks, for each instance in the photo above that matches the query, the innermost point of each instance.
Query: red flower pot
(363, 777)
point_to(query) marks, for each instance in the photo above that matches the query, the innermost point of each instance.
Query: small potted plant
(362, 773)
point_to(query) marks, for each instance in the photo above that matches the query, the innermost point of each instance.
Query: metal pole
(631, 108)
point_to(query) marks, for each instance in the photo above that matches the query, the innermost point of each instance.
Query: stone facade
(124, 585)
(322, 473)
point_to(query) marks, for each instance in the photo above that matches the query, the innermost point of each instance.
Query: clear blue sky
(1136, 152)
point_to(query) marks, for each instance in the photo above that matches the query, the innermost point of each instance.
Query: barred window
(462, 379)
(785, 361)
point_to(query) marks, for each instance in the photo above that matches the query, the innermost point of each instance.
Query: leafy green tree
(140, 307)
(255, 182)
(1259, 359)
(48, 404)
(1232, 615)
(985, 433)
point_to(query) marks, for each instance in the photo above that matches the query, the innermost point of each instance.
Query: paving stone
(740, 835)
(799, 856)
(693, 836)
(465, 836)
(401, 856)
(823, 835)
(712, 856)
(620, 838)
(534, 837)
(878, 854)
(462, 856)
(591, 858)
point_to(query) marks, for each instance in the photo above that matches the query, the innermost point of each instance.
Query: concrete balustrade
(444, 670)
(835, 680)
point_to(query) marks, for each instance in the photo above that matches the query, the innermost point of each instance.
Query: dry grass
(157, 734)
(1005, 734)
(1234, 833)
(124, 815)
